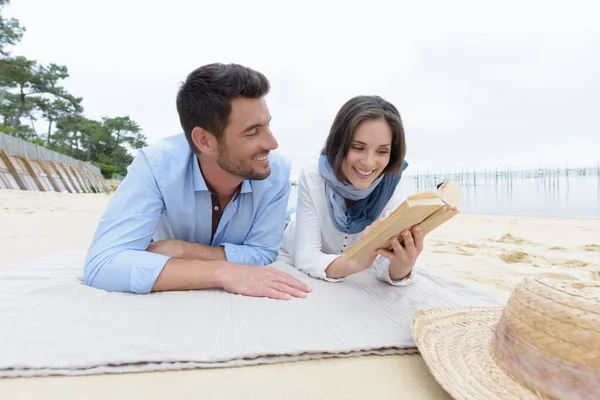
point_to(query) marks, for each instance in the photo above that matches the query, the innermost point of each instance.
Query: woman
(343, 196)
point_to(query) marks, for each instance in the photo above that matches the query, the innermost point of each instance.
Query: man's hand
(263, 282)
(402, 259)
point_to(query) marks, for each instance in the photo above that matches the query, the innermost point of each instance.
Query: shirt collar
(200, 183)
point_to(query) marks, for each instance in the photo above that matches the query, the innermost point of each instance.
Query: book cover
(428, 209)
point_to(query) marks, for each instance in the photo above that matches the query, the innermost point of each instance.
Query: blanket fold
(52, 324)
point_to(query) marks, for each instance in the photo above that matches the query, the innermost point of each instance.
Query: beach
(489, 252)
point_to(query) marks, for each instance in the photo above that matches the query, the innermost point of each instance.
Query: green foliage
(32, 92)
(10, 31)
(107, 171)
(38, 142)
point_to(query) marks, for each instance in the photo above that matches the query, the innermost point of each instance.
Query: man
(212, 199)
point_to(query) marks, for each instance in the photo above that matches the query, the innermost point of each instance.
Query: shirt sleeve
(308, 256)
(116, 259)
(262, 243)
(381, 268)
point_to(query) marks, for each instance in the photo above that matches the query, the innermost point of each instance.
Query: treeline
(31, 96)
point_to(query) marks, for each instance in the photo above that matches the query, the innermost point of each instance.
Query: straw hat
(545, 344)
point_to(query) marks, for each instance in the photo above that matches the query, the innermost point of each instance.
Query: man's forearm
(179, 274)
(183, 250)
(198, 251)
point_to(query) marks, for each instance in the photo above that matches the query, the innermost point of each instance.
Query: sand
(489, 252)
(33, 224)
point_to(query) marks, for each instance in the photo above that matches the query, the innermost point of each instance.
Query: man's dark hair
(352, 113)
(204, 99)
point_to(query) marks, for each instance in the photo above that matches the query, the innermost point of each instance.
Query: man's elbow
(101, 273)
(90, 270)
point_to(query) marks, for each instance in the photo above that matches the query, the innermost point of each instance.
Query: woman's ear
(205, 141)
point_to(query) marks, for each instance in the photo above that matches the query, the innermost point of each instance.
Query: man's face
(247, 140)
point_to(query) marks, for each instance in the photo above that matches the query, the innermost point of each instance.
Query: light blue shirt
(165, 196)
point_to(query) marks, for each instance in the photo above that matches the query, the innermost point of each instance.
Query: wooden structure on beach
(21, 173)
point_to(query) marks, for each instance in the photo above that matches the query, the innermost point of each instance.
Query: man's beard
(237, 168)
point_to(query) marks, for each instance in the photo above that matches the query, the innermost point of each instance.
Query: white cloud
(483, 84)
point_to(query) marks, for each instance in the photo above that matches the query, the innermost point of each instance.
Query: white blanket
(52, 324)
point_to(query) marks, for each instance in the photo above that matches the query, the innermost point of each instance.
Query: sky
(478, 84)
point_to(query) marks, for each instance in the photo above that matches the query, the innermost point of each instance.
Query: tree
(9, 109)
(124, 131)
(93, 132)
(54, 109)
(30, 90)
(67, 137)
(9, 103)
(29, 79)
(11, 31)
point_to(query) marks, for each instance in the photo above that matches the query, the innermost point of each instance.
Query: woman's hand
(402, 259)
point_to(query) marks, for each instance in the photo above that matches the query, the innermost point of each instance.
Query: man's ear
(205, 141)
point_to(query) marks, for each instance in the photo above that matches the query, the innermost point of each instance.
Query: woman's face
(369, 152)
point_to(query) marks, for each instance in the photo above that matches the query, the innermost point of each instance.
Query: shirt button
(345, 237)
(344, 245)
(216, 208)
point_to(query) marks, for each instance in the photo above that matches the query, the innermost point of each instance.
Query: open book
(428, 209)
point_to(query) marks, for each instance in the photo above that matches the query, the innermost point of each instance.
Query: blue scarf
(369, 204)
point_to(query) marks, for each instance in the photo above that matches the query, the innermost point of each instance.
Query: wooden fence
(21, 173)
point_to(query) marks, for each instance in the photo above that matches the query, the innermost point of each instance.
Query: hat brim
(455, 345)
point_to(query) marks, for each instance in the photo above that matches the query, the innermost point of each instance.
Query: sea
(555, 193)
